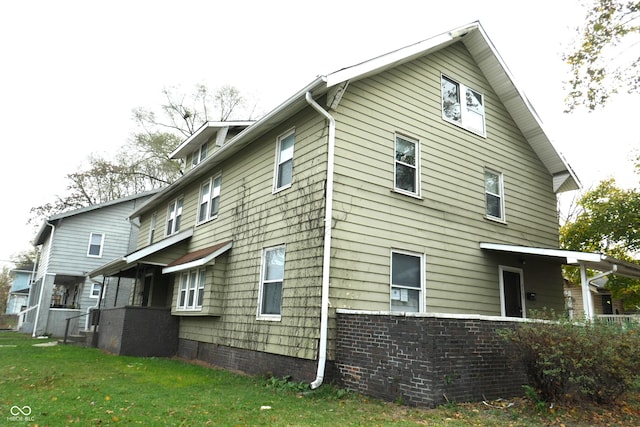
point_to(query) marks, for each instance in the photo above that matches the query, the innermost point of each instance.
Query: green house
(409, 183)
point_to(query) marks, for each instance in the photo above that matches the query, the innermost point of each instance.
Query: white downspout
(328, 217)
(44, 279)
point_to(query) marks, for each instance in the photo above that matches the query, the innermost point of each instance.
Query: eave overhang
(204, 134)
(591, 260)
(198, 258)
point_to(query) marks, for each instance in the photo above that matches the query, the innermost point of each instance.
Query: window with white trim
(407, 165)
(463, 106)
(271, 279)
(199, 155)
(407, 281)
(152, 227)
(96, 241)
(209, 199)
(174, 215)
(95, 290)
(284, 161)
(494, 195)
(191, 291)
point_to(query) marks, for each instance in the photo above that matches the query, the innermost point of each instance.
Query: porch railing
(619, 318)
(94, 316)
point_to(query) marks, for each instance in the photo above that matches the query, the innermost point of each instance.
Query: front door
(511, 287)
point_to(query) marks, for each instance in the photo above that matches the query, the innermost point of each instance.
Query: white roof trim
(162, 244)
(591, 260)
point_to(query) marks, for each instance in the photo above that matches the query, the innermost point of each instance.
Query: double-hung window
(407, 281)
(95, 290)
(407, 166)
(199, 155)
(284, 161)
(96, 241)
(271, 278)
(463, 106)
(494, 195)
(174, 215)
(209, 199)
(191, 291)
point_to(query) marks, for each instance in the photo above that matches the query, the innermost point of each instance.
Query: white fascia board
(162, 244)
(570, 257)
(198, 262)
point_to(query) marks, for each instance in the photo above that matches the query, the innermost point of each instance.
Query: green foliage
(609, 223)
(602, 61)
(567, 362)
(5, 287)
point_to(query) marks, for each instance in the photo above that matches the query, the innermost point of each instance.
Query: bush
(568, 361)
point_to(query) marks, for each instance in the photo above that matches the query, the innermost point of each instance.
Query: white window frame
(208, 197)
(174, 216)
(191, 285)
(398, 292)
(520, 271)
(281, 161)
(466, 114)
(101, 246)
(95, 287)
(400, 162)
(263, 281)
(152, 226)
(502, 218)
(199, 155)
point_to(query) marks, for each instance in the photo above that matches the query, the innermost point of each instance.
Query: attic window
(199, 155)
(467, 113)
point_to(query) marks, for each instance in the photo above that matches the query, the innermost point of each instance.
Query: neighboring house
(19, 292)
(71, 244)
(603, 302)
(419, 182)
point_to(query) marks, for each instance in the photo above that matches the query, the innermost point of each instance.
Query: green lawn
(66, 385)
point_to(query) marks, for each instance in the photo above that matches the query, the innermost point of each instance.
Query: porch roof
(129, 261)
(198, 258)
(591, 260)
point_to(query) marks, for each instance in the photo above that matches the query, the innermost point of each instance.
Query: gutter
(326, 259)
(44, 279)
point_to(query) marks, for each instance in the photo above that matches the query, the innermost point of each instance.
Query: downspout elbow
(328, 215)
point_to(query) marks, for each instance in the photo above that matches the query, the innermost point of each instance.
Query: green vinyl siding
(448, 221)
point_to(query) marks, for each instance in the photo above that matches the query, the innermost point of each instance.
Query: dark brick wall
(252, 362)
(426, 360)
(138, 331)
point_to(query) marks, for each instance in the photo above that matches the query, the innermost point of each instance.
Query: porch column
(587, 301)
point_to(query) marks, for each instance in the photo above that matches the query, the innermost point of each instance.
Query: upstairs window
(407, 169)
(284, 161)
(96, 241)
(407, 281)
(272, 276)
(209, 199)
(199, 155)
(191, 291)
(174, 215)
(463, 106)
(494, 195)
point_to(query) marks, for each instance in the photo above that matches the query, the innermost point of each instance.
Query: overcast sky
(72, 71)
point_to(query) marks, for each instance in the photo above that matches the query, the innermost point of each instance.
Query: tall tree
(144, 163)
(605, 57)
(608, 222)
(5, 288)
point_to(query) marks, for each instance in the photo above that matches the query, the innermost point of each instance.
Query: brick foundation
(421, 359)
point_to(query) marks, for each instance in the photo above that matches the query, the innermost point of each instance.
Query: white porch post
(587, 301)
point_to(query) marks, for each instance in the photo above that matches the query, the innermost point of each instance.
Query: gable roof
(484, 54)
(44, 230)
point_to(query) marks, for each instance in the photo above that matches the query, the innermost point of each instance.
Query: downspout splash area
(326, 259)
